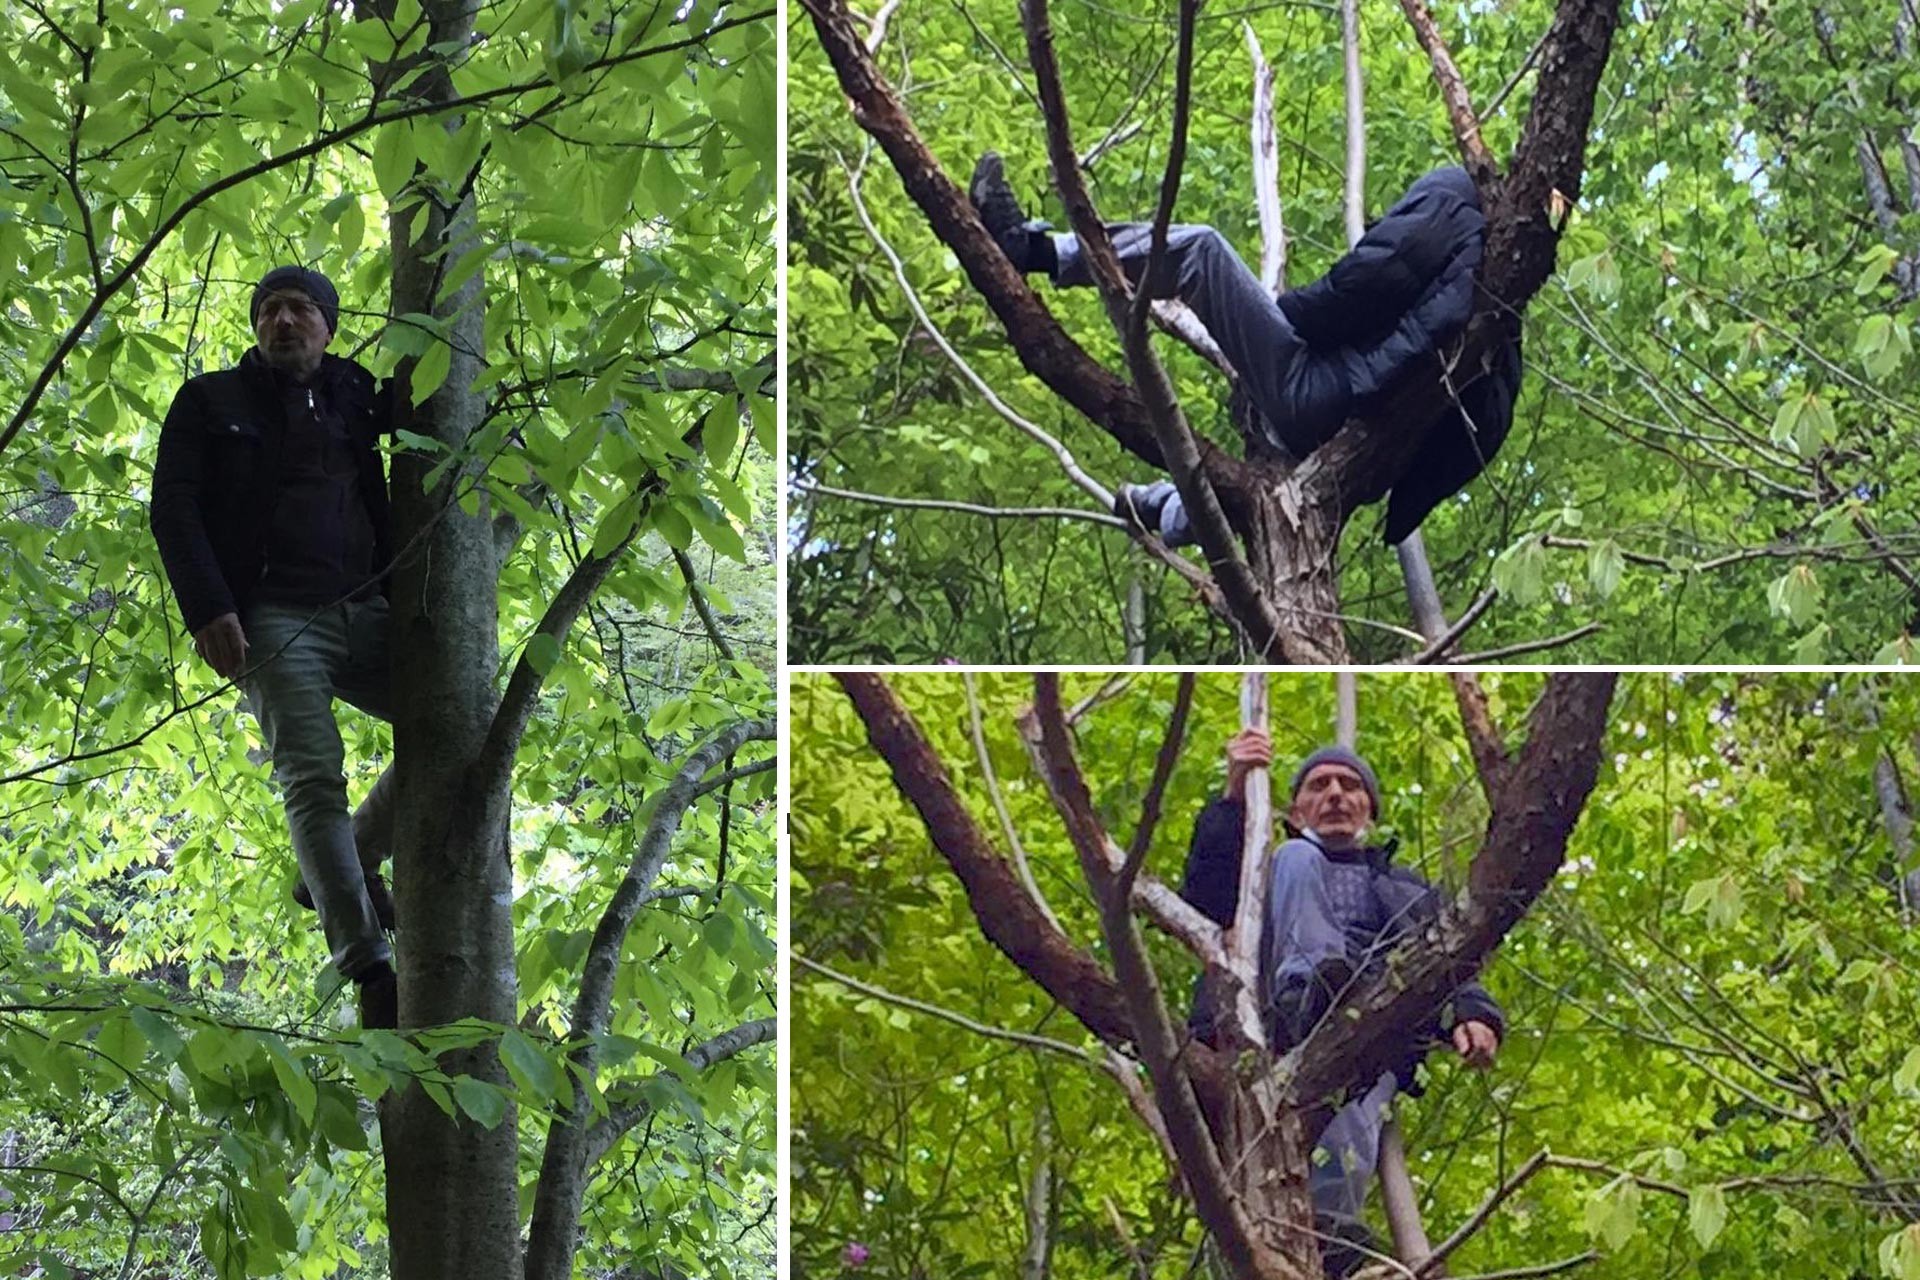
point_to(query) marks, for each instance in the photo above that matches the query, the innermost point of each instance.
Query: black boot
(379, 999)
(1024, 241)
(1300, 1003)
(1345, 1246)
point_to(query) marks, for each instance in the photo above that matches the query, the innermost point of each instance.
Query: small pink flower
(855, 1254)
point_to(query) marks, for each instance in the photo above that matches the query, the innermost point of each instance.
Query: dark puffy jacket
(1395, 298)
(1212, 885)
(217, 471)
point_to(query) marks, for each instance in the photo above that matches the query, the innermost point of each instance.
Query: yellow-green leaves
(1882, 343)
(393, 157)
(1721, 896)
(1900, 1253)
(1805, 421)
(1706, 1213)
(1613, 1212)
(1795, 594)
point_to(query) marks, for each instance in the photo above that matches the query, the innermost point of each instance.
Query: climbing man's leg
(290, 690)
(1304, 949)
(1343, 1165)
(1300, 398)
(363, 679)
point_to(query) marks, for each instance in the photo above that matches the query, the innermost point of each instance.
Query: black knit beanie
(1347, 757)
(309, 282)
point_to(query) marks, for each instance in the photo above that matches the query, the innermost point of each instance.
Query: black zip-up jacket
(1401, 293)
(217, 477)
(1212, 885)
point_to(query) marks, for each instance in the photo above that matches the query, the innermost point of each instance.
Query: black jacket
(217, 471)
(1394, 299)
(1212, 885)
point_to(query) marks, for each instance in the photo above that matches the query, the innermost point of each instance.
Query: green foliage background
(1718, 387)
(1716, 993)
(177, 1095)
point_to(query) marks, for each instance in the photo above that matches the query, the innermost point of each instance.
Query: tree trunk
(452, 1187)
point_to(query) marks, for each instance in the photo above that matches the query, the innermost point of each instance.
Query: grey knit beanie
(309, 282)
(1347, 757)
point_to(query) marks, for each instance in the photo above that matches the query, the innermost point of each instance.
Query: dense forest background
(1709, 461)
(1711, 1008)
(181, 1094)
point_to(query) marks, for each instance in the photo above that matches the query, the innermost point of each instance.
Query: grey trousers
(301, 661)
(1304, 400)
(1302, 929)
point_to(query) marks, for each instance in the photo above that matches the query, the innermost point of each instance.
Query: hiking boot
(1300, 1003)
(377, 894)
(1024, 240)
(1345, 1246)
(380, 1000)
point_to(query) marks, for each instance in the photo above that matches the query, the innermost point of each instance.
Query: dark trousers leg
(1302, 398)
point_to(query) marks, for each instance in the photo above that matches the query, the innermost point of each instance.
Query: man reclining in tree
(1335, 906)
(1319, 355)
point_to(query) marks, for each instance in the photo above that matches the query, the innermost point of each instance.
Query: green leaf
(393, 157)
(292, 1075)
(1605, 564)
(1874, 265)
(1907, 1078)
(1613, 1212)
(485, 1103)
(616, 525)
(672, 524)
(1795, 594)
(1521, 572)
(1706, 1213)
(533, 1069)
(1900, 651)
(717, 933)
(1900, 1253)
(543, 651)
(431, 371)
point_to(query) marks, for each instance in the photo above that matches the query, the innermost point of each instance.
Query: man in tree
(1335, 906)
(270, 510)
(1319, 355)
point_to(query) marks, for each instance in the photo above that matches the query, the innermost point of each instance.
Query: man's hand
(1477, 1043)
(223, 645)
(1247, 750)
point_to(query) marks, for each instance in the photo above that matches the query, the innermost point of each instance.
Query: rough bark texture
(1290, 519)
(452, 1188)
(1010, 919)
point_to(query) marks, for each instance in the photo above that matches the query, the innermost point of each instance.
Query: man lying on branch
(1316, 356)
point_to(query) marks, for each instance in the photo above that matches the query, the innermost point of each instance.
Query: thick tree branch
(1160, 1047)
(1036, 336)
(1453, 92)
(1179, 447)
(1007, 914)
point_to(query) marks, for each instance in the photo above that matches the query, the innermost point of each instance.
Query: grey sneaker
(377, 893)
(1024, 240)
